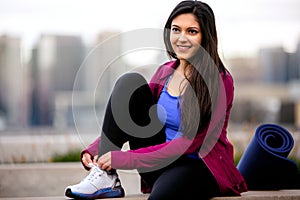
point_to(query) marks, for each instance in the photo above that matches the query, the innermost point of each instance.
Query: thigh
(186, 179)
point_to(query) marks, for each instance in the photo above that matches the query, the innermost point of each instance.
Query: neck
(183, 68)
(178, 82)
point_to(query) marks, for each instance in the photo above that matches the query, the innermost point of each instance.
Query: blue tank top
(169, 113)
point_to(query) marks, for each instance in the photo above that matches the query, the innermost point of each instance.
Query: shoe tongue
(91, 165)
(96, 168)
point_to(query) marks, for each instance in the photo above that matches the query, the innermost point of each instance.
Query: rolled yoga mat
(265, 164)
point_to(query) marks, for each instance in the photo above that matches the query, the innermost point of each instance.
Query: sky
(243, 26)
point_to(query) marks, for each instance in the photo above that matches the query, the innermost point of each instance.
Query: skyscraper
(12, 82)
(274, 65)
(55, 62)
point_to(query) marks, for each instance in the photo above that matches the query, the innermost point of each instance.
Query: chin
(184, 57)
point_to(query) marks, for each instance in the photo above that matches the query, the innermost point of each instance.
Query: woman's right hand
(87, 160)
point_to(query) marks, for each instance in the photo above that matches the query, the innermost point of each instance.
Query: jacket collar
(169, 68)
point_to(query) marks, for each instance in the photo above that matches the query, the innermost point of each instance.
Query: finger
(95, 159)
(89, 159)
(86, 159)
(106, 166)
(101, 163)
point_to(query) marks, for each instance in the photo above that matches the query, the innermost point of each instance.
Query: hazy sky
(243, 26)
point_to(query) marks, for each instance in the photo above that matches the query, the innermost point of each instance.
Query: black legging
(186, 178)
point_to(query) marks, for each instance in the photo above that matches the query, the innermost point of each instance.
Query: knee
(131, 79)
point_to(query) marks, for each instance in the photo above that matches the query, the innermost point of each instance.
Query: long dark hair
(206, 66)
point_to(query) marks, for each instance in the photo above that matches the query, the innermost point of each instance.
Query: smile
(183, 48)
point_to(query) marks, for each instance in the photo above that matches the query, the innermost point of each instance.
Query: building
(13, 84)
(101, 67)
(55, 62)
(244, 69)
(274, 64)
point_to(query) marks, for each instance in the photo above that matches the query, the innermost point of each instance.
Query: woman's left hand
(104, 162)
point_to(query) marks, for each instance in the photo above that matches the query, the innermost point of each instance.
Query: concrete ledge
(251, 195)
(266, 195)
(128, 197)
(51, 179)
(47, 181)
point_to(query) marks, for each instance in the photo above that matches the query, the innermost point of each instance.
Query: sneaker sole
(103, 193)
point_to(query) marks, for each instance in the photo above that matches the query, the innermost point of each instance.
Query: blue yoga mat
(265, 164)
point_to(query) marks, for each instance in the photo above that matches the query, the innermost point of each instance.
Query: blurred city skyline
(55, 78)
(62, 80)
(243, 26)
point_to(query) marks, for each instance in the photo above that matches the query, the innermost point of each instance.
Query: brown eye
(193, 32)
(175, 30)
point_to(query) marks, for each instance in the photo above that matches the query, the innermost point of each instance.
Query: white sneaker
(98, 184)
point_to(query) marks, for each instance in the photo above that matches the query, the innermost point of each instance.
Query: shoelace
(95, 172)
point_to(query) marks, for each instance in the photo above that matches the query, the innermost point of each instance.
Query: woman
(179, 147)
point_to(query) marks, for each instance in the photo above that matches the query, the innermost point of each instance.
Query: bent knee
(131, 79)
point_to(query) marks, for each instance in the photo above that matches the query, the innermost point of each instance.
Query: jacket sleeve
(153, 156)
(92, 149)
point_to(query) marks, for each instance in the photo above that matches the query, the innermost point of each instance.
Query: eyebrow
(188, 27)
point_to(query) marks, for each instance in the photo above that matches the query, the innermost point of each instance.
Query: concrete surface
(47, 181)
(266, 195)
(129, 197)
(40, 180)
(251, 195)
(51, 179)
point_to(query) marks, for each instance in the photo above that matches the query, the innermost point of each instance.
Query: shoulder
(157, 81)
(166, 68)
(227, 79)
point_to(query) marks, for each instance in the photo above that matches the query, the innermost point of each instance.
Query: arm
(152, 156)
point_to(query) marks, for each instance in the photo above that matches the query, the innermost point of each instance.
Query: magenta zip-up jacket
(212, 144)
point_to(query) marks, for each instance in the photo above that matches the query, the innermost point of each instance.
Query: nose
(182, 37)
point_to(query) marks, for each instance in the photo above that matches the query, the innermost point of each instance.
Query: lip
(183, 47)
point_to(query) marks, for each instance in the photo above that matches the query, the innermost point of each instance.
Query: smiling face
(185, 36)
